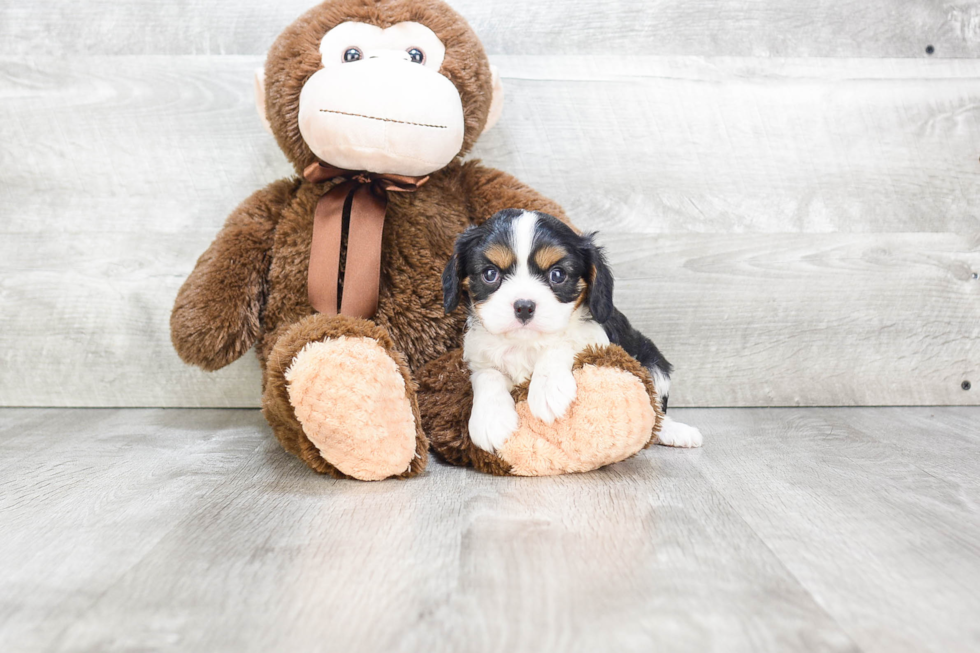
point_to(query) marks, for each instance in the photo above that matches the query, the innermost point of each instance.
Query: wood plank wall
(788, 189)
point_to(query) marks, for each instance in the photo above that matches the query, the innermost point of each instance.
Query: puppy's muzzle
(524, 310)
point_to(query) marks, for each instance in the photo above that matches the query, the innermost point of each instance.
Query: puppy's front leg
(493, 418)
(552, 387)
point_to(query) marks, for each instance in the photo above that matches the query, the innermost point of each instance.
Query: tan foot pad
(610, 420)
(350, 398)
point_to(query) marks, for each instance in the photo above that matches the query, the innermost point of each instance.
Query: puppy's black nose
(524, 310)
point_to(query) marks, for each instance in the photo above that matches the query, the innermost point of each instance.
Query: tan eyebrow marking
(548, 255)
(583, 291)
(500, 255)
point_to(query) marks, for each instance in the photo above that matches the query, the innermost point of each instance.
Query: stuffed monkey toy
(334, 275)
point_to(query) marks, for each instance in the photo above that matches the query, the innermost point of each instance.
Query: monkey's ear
(260, 97)
(497, 104)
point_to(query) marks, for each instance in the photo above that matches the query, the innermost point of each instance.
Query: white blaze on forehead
(523, 228)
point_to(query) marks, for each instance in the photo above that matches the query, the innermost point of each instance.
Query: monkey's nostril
(524, 310)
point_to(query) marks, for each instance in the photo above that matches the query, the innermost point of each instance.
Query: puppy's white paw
(675, 434)
(492, 423)
(551, 392)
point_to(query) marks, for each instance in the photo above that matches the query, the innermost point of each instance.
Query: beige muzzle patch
(382, 115)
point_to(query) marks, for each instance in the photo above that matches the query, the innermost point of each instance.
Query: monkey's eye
(417, 55)
(490, 275)
(352, 54)
(557, 276)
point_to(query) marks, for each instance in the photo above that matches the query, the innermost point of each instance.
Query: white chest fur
(515, 354)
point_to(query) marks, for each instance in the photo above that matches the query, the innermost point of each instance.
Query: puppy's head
(525, 273)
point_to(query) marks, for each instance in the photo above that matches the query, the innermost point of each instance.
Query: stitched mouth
(400, 122)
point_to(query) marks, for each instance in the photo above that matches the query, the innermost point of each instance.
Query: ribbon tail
(324, 270)
(362, 274)
(358, 207)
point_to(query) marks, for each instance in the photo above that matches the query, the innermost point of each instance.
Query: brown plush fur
(446, 398)
(217, 315)
(249, 287)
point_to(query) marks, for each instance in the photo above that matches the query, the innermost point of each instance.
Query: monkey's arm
(216, 315)
(491, 190)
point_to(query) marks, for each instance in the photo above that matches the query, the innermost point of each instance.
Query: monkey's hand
(216, 314)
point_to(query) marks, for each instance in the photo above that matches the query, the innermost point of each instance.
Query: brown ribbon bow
(359, 202)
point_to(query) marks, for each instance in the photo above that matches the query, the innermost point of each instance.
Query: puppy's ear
(600, 281)
(455, 272)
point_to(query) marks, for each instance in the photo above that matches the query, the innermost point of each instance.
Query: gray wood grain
(783, 228)
(86, 494)
(656, 145)
(667, 145)
(853, 502)
(90, 316)
(829, 319)
(818, 28)
(791, 530)
(141, 144)
(818, 319)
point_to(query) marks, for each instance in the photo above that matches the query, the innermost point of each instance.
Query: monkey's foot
(610, 419)
(351, 399)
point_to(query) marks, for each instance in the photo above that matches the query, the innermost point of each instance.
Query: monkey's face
(379, 103)
(387, 86)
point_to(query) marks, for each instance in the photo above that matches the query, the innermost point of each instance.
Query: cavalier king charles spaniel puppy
(538, 294)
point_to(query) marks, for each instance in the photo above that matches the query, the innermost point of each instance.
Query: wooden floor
(791, 530)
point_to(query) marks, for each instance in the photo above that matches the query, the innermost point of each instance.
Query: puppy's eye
(557, 276)
(417, 55)
(490, 275)
(352, 54)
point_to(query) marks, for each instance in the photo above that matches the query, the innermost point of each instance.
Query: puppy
(538, 295)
